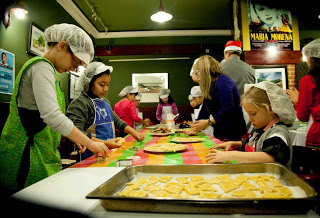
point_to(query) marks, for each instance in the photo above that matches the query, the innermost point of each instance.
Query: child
(166, 106)
(31, 136)
(91, 111)
(137, 103)
(198, 98)
(126, 109)
(270, 112)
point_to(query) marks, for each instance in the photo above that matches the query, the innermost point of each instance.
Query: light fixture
(19, 10)
(161, 15)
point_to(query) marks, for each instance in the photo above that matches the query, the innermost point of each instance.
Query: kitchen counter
(67, 190)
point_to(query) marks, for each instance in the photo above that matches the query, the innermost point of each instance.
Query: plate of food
(165, 148)
(152, 127)
(182, 130)
(161, 132)
(187, 139)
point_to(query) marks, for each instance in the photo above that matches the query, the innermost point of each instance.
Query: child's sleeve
(305, 100)
(276, 145)
(159, 112)
(78, 113)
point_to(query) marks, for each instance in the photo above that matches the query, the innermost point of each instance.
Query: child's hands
(98, 147)
(216, 156)
(82, 148)
(139, 136)
(225, 145)
(112, 143)
(146, 122)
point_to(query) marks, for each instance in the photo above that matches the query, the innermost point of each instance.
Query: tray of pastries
(252, 188)
(165, 148)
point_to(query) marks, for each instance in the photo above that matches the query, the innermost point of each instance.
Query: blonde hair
(257, 97)
(210, 70)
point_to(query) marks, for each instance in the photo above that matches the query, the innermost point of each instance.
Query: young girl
(137, 103)
(91, 111)
(307, 100)
(166, 106)
(126, 109)
(31, 136)
(270, 112)
(198, 98)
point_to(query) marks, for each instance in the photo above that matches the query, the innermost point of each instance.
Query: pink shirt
(126, 110)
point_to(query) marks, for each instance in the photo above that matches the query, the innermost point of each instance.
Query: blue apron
(103, 125)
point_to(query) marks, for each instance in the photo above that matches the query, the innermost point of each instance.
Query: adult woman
(31, 136)
(221, 106)
(307, 100)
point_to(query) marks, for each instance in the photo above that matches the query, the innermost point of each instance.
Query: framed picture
(74, 76)
(149, 85)
(275, 74)
(36, 44)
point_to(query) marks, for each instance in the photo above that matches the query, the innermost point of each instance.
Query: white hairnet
(191, 71)
(86, 76)
(280, 101)
(138, 97)
(312, 49)
(190, 97)
(126, 90)
(78, 40)
(164, 93)
(196, 91)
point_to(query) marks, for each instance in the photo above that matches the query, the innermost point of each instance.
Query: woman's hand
(199, 125)
(293, 95)
(98, 147)
(216, 156)
(112, 143)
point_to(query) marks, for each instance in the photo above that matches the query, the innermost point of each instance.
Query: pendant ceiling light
(161, 15)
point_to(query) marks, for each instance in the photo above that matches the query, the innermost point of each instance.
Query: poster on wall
(6, 72)
(269, 26)
(149, 85)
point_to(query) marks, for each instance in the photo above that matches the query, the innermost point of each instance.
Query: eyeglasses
(76, 62)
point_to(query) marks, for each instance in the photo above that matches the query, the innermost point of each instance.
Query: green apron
(44, 154)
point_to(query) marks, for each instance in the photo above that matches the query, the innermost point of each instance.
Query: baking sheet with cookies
(265, 188)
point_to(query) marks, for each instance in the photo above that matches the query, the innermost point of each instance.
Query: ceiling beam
(86, 24)
(147, 50)
(162, 33)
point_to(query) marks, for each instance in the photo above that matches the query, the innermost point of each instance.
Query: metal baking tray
(110, 201)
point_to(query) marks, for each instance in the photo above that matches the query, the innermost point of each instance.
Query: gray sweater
(37, 91)
(81, 112)
(240, 72)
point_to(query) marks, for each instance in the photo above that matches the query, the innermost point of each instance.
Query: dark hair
(315, 70)
(3, 54)
(107, 72)
(170, 99)
(52, 44)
